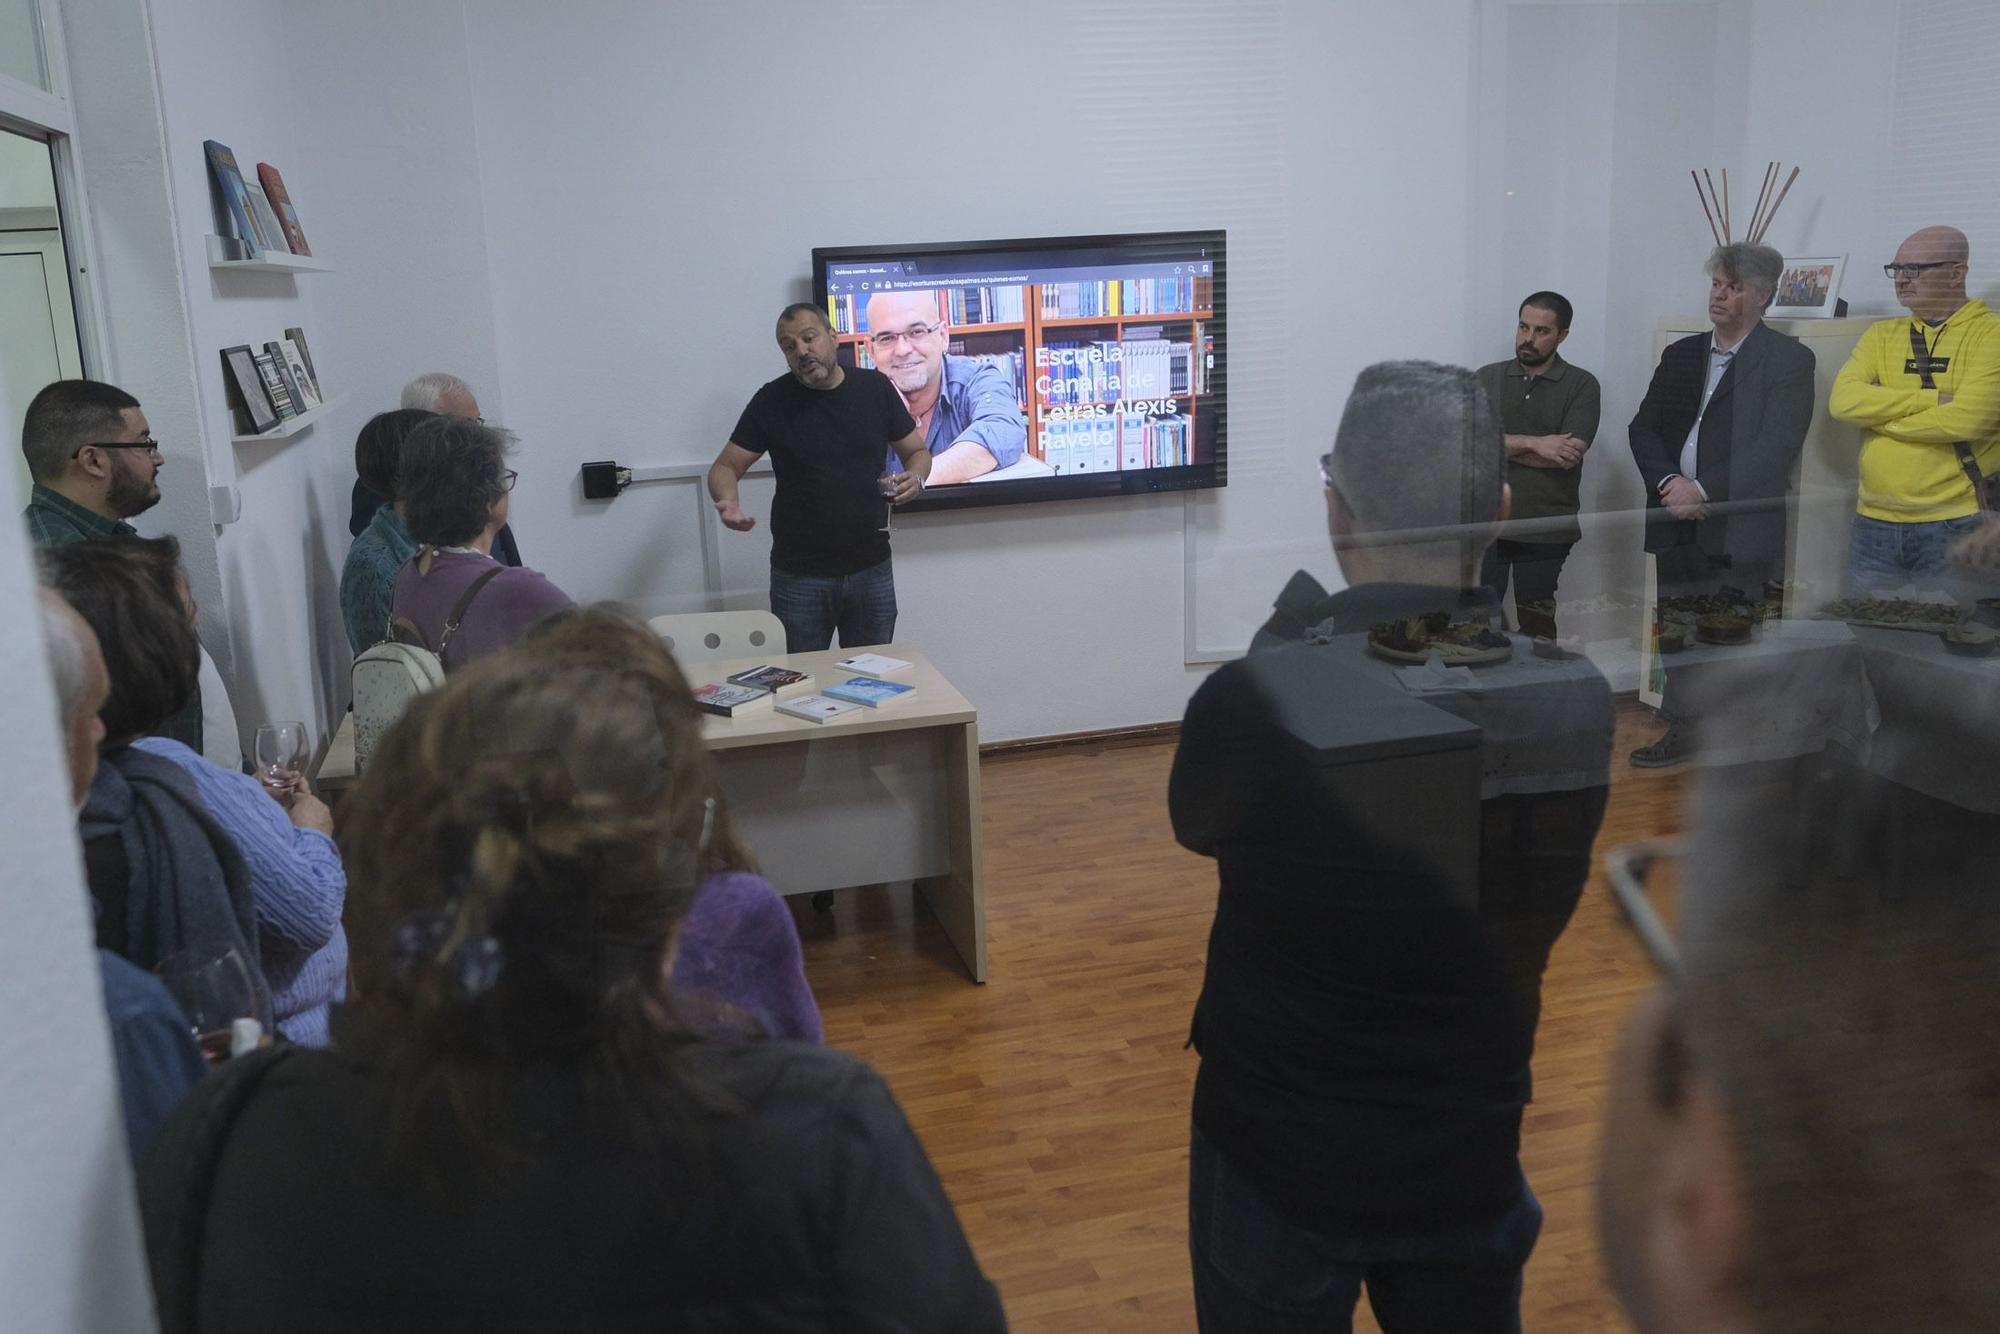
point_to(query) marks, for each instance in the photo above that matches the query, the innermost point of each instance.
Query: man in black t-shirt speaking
(824, 427)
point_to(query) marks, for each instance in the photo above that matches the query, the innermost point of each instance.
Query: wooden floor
(1054, 1100)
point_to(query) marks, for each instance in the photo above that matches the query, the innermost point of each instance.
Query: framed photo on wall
(1809, 288)
(246, 391)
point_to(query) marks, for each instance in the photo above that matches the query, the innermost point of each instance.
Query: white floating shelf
(289, 427)
(263, 261)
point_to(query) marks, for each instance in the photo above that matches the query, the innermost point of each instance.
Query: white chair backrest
(703, 636)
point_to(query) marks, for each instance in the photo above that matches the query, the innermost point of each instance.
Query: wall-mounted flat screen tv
(1048, 369)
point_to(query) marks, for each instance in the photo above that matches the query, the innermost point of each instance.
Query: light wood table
(875, 795)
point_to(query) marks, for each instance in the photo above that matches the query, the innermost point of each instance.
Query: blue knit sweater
(299, 885)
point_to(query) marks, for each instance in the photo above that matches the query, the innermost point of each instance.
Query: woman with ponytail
(516, 1129)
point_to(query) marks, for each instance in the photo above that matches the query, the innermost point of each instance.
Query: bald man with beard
(1925, 392)
(966, 409)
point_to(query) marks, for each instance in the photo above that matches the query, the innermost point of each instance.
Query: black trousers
(1535, 567)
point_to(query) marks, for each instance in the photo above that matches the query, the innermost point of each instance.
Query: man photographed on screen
(1803, 1130)
(966, 409)
(1717, 441)
(1366, 1018)
(1548, 409)
(825, 428)
(1923, 439)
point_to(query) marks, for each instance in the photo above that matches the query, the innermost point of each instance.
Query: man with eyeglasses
(1925, 392)
(825, 427)
(95, 465)
(93, 459)
(1390, 889)
(966, 409)
(1801, 1128)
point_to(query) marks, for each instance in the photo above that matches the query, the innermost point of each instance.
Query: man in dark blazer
(1717, 441)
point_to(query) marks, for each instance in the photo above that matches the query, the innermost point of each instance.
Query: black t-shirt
(826, 449)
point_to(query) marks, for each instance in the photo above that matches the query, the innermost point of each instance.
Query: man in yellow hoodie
(1923, 437)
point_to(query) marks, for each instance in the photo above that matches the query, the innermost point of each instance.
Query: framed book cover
(274, 384)
(281, 202)
(295, 359)
(297, 337)
(246, 393)
(232, 193)
(300, 400)
(266, 218)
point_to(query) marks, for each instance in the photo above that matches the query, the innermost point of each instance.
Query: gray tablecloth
(1546, 724)
(1940, 718)
(1795, 689)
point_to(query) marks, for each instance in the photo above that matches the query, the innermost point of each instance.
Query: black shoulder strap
(1920, 357)
(459, 609)
(177, 1176)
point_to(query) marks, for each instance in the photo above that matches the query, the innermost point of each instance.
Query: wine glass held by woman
(513, 1129)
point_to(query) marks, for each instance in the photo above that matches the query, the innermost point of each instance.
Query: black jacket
(1749, 447)
(800, 1200)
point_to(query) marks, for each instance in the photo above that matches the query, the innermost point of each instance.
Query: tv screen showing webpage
(1047, 369)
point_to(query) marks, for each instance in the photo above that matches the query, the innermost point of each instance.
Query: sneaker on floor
(1672, 748)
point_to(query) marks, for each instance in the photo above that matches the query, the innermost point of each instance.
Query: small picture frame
(1809, 288)
(245, 389)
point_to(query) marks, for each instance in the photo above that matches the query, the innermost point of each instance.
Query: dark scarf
(188, 886)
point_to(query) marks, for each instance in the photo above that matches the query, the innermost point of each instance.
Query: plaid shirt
(56, 520)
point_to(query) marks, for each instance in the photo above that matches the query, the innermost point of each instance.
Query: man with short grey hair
(447, 395)
(1368, 1005)
(1717, 441)
(442, 392)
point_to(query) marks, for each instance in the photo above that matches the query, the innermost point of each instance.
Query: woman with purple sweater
(452, 597)
(737, 968)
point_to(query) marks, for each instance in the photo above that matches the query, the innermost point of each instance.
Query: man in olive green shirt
(1548, 409)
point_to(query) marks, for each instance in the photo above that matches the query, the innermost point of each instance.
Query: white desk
(875, 795)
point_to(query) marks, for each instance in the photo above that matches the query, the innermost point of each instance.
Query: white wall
(657, 200)
(70, 1256)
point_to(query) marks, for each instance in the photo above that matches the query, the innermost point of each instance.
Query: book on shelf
(728, 700)
(281, 204)
(816, 708)
(1178, 295)
(274, 384)
(267, 218)
(960, 307)
(870, 691)
(301, 396)
(783, 682)
(872, 664)
(295, 356)
(297, 337)
(245, 392)
(235, 196)
(293, 374)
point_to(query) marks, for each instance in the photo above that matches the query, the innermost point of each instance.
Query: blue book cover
(872, 691)
(235, 198)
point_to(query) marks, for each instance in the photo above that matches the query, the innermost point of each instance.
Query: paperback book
(816, 708)
(281, 203)
(730, 700)
(872, 664)
(780, 681)
(235, 197)
(870, 691)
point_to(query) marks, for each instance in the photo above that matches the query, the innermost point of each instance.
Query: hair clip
(707, 824)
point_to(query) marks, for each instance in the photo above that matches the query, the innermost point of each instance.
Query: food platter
(1418, 639)
(1893, 614)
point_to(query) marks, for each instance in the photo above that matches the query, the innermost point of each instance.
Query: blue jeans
(862, 606)
(1883, 556)
(1256, 1272)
